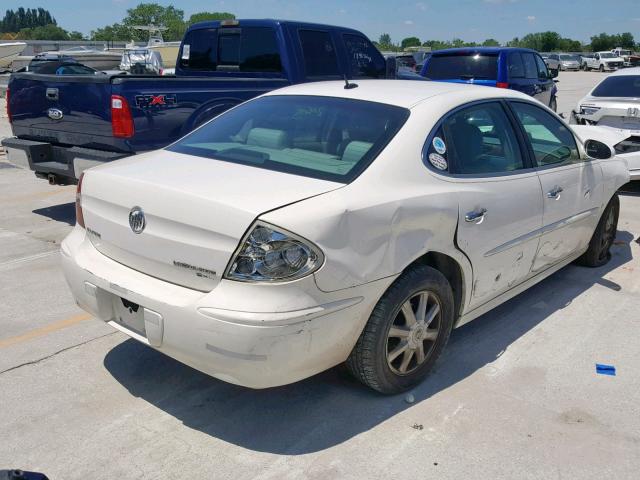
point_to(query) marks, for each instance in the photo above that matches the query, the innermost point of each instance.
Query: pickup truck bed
(64, 124)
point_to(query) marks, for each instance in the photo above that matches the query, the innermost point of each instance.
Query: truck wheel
(406, 332)
(598, 252)
(601, 68)
(553, 104)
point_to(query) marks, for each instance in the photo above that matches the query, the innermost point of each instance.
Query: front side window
(550, 139)
(319, 53)
(542, 68)
(364, 58)
(321, 137)
(480, 140)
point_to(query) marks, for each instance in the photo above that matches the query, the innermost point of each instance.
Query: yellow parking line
(39, 332)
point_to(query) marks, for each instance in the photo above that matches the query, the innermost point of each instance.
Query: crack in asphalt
(35, 362)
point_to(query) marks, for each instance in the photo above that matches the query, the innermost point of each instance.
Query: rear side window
(319, 53)
(619, 86)
(530, 67)
(477, 140)
(246, 49)
(551, 141)
(516, 67)
(464, 65)
(199, 50)
(364, 58)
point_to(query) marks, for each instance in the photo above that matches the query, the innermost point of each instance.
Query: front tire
(598, 252)
(406, 332)
(601, 68)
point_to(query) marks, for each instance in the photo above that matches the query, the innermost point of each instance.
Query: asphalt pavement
(516, 395)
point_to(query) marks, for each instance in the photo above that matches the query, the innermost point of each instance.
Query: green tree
(47, 32)
(385, 42)
(154, 14)
(626, 41)
(436, 44)
(602, 42)
(490, 42)
(76, 35)
(410, 42)
(14, 21)
(208, 16)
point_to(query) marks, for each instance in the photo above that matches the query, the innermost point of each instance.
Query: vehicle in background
(9, 51)
(403, 60)
(318, 225)
(628, 58)
(615, 103)
(64, 126)
(584, 57)
(503, 67)
(142, 61)
(420, 57)
(603, 61)
(552, 62)
(569, 61)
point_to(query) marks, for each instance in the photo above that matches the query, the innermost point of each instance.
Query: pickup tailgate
(63, 109)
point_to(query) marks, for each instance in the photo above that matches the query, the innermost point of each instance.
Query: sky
(471, 20)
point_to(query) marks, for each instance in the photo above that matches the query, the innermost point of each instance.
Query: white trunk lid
(196, 211)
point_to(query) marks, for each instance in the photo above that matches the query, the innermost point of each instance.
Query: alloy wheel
(412, 335)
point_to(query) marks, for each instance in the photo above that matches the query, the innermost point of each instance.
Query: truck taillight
(502, 85)
(6, 98)
(79, 215)
(121, 119)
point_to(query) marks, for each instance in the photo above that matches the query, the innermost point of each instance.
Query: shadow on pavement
(65, 212)
(330, 408)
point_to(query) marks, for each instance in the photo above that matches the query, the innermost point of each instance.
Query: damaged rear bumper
(253, 335)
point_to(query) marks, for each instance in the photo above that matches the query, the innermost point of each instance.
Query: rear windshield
(246, 49)
(463, 66)
(619, 86)
(320, 137)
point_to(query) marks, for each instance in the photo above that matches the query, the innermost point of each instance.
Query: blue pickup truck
(64, 124)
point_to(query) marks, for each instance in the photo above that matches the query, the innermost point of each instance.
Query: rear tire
(396, 350)
(598, 252)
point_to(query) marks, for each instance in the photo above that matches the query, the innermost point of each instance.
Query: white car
(324, 223)
(615, 103)
(603, 61)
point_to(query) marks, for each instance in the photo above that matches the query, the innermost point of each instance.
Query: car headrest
(355, 150)
(268, 138)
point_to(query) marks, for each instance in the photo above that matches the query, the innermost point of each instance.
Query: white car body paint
(266, 334)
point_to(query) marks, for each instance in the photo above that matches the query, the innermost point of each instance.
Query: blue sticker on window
(439, 145)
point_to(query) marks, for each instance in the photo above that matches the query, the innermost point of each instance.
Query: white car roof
(402, 93)
(627, 71)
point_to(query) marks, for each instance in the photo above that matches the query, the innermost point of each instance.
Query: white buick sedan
(320, 224)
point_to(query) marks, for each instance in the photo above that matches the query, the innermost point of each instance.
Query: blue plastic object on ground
(605, 369)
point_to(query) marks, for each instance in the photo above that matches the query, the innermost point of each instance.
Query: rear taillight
(8, 107)
(502, 85)
(121, 119)
(79, 215)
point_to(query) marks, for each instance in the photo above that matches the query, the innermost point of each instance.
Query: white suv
(324, 223)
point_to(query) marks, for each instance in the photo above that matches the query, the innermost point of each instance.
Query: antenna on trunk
(347, 85)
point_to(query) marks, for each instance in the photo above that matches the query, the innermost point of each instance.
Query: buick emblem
(137, 221)
(55, 114)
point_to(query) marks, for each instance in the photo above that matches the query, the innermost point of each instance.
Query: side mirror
(553, 73)
(598, 150)
(390, 67)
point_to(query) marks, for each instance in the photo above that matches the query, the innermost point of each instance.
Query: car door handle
(477, 216)
(555, 193)
(52, 94)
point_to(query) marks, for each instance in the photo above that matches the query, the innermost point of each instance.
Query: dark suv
(516, 68)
